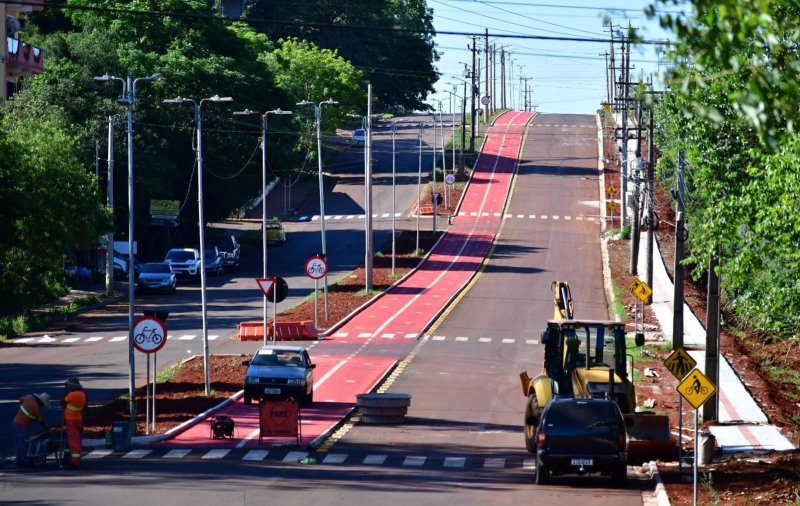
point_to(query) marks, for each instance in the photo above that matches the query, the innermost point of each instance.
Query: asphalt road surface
(462, 441)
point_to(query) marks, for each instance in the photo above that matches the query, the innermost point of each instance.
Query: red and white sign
(316, 267)
(279, 419)
(266, 285)
(149, 334)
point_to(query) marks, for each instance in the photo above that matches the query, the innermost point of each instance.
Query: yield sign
(266, 285)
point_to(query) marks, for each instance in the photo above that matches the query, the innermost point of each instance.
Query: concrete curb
(657, 497)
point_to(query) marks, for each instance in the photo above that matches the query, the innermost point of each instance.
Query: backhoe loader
(589, 358)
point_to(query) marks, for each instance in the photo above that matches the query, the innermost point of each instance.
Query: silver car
(156, 277)
(279, 372)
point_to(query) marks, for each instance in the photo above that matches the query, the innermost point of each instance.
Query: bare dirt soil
(745, 479)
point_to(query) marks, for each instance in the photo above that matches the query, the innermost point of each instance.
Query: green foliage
(732, 111)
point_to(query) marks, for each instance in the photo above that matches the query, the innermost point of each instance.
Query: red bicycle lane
(353, 358)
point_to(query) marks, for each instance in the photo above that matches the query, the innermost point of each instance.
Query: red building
(20, 59)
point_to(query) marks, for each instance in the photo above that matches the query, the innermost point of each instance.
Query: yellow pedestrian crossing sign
(640, 289)
(611, 189)
(696, 388)
(679, 363)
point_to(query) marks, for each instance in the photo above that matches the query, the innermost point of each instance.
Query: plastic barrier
(285, 331)
(425, 210)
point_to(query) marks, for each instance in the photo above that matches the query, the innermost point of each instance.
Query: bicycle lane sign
(316, 267)
(149, 334)
(696, 388)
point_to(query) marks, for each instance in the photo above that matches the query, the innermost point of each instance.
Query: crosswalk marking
(411, 336)
(94, 339)
(365, 334)
(187, 337)
(414, 460)
(485, 340)
(509, 341)
(294, 457)
(387, 335)
(256, 455)
(495, 463)
(340, 334)
(71, 339)
(23, 340)
(528, 464)
(47, 339)
(137, 454)
(118, 339)
(98, 454)
(462, 339)
(334, 458)
(375, 460)
(177, 454)
(532, 341)
(213, 337)
(439, 338)
(217, 454)
(455, 461)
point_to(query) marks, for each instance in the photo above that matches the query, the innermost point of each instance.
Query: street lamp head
(217, 98)
(329, 101)
(246, 112)
(104, 77)
(281, 112)
(304, 102)
(155, 77)
(176, 100)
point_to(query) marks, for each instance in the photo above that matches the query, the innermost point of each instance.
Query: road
(462, 441)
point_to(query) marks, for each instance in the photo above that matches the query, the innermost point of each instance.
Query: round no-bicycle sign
(149, 334)
(450, 179)
(316, 267)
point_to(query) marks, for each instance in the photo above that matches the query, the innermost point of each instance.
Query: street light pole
(128, 99)
(198, 107)
(248, 112)
(394, 197)
(419, 183)
(318, 121)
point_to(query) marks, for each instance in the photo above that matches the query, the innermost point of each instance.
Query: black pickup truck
(229, 250)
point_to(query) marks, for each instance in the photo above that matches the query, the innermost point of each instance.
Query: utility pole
(463, 132)
(368, 194)
(472, 91)
(486, 71)
(680, 237)
(110, 205)
(636, 193)
(650, 212)
(624, 169)
(710, 409)
(502, 77)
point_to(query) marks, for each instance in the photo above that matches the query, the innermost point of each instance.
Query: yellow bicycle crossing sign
(679, 363)
(640, 289)
(696, 388)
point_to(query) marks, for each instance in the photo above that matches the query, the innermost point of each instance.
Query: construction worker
(30, 410)
(74, 403)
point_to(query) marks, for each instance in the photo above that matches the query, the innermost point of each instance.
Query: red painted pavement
(360, 352)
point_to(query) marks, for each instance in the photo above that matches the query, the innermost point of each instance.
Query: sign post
(679, 363)
(316, 269)
(697, 389)
(149, 336)
(641, 291)
(266, 285)
(279, 419)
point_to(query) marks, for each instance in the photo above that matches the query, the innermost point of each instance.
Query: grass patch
(616, 305)
(170, 373)
(368, 293)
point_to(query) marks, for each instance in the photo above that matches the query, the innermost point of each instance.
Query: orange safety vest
(29, 410)
(74, 402)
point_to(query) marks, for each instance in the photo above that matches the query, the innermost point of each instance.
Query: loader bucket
(649, 438)
(526, 381)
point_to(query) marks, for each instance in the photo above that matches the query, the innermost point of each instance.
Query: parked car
(275, 232)
(121, 267)
(581, 435)
(359, 137)
(230, 251)
(185, 262)
(157, 276)
(213, 261)
(279, 372)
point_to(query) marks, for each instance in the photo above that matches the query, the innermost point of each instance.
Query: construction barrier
(284, 331)
(425, 210)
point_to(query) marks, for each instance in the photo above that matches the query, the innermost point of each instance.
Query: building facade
(20, 59)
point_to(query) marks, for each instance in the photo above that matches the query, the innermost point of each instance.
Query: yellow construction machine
(589, 358)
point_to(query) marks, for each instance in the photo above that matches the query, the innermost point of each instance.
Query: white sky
(565, 76)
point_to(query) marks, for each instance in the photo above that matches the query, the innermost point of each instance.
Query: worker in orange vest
(74, 403)
(30, 410)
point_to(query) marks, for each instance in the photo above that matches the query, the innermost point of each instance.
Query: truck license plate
(272, 391)
(582, 462)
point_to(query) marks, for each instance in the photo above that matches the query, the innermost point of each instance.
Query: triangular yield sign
(266, 285)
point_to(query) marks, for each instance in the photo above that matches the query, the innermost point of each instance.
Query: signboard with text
(279, 418)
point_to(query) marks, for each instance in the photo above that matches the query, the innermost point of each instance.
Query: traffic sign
(612, 189)
(612, 205)
(485, 100)
(316, 267)
(450, 179)
(279, 292)
(266, 285)
(640, 289)
(149, 334)
(679, 363)
(696, 388)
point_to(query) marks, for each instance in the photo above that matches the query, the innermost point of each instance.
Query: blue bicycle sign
(149, 334)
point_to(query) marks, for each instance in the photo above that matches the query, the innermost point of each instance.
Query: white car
(157, 276)
(184, 262)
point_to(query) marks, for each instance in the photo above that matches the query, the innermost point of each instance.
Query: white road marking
(455, 461)
(137, 454)
(413, 460)
(118, 339)
(462, 339)
(256, 455)
(509, 341)
(335, 458)
(47, 339)
(294, 457)
(340, 334)
(176, 454)
(374, 460)
(98, 454)
(485, 340)
(23, 340)
(71, 339)
(94, 339)
(216, 454)
(187, 337)
(213, 337)
(439, 338)
(498, 463)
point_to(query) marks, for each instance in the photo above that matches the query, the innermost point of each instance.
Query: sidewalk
(743, 426)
